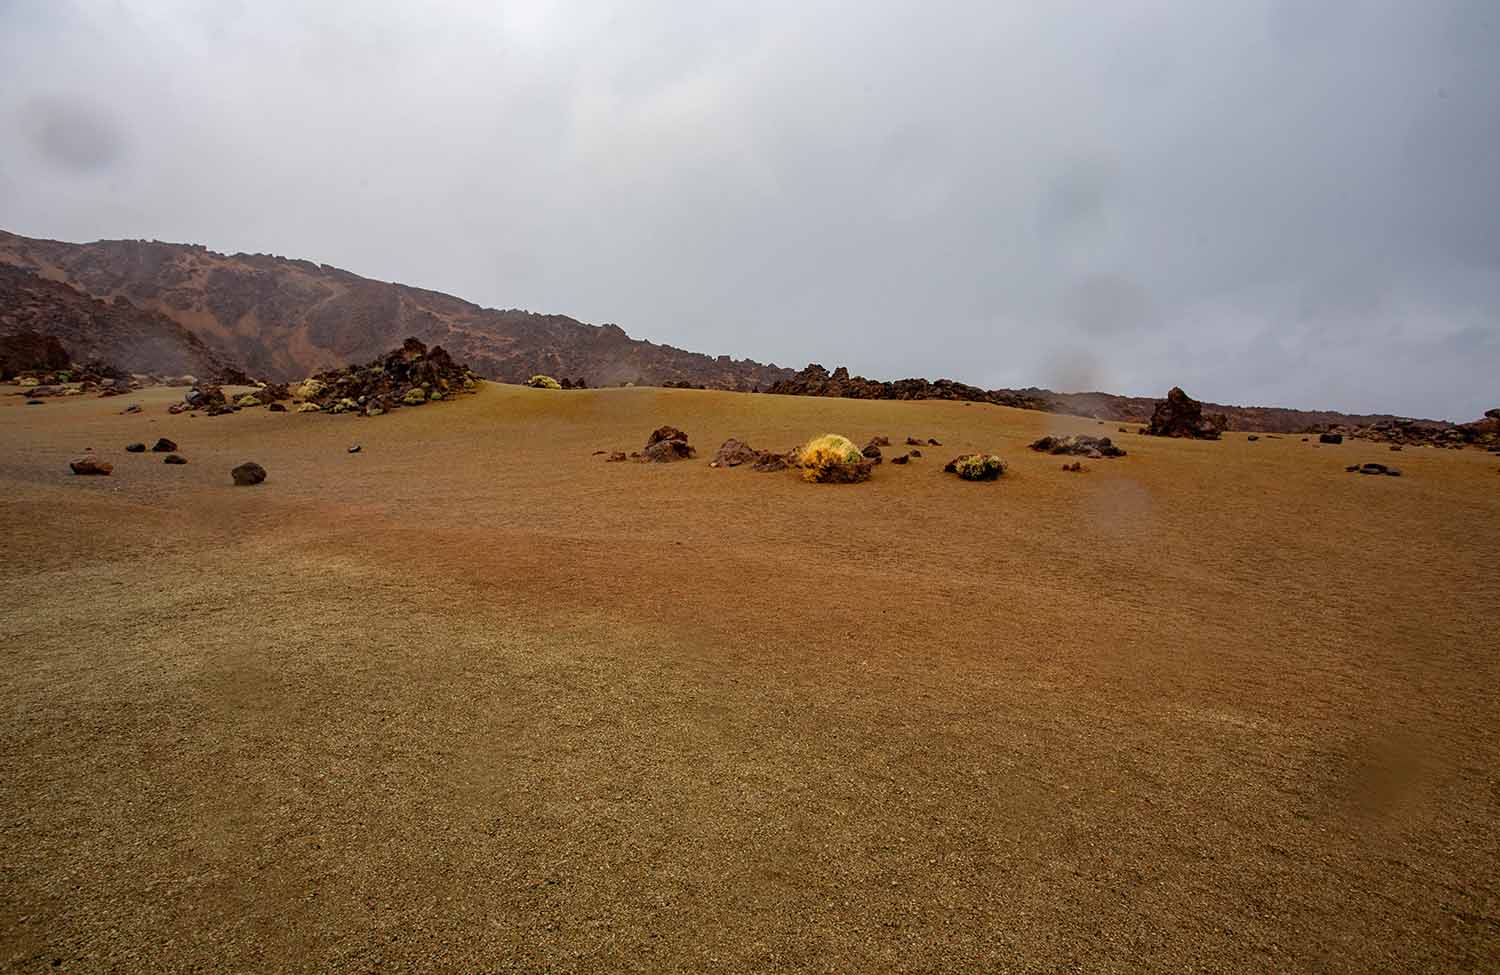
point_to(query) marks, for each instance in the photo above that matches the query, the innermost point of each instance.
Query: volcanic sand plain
(473, 700)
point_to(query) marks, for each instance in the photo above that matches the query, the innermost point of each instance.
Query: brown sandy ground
(474, 701)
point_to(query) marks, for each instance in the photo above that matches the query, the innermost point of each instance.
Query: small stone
(248, 473)
(163, 446)
(174, 459)
(89, 465)
(135, 448)
(354, 449)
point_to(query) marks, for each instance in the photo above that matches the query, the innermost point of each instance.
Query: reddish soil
(473, 700)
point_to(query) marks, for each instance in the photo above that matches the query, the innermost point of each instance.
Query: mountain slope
(114, 332)
(284, 319)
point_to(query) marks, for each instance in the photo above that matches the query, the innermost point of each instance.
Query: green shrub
(543, 382)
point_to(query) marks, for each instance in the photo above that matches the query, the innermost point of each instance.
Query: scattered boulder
(1373, 469)
(1076, 467)
(174, 459)
(90, 466)
(248, 473)
(1252, 438)
(135, 448)
(913, 442)
(132, 408)
(1330, 438)
(615, 457)
(1179, 415)
(976, 467)
(768, 462)
(1395, 446)
(916, 453)
(933, 443)
(275, 408)
(733, 453)
(871, 450)
(163, 446)
(1080, 446)
(832, 459)
(667, 444)
(205, 396)
(880, 441)
(903, 459)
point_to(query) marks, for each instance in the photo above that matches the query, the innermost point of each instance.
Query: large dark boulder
(733, 453)
(1078, 446)
(1179, 415)
(667, 444)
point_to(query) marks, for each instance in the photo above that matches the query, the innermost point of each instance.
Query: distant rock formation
(1179, 415)
(283, 319)
(47, 326)
(818, 381)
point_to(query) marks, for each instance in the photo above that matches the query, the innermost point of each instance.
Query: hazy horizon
(1263, 202)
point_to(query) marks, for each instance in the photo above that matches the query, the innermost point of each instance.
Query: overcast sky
(1291, 203)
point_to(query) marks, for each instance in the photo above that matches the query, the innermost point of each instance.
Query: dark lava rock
(933, 443)
(174, 459)
(132, 408)
(1076, 467)
(276, 408)
(135, 448)
(770, 462)
(356, 448)
(913, 442)
(36, 402)
(916, 453)
(871, 450)
(412, 375)
(667, 444)
(1330, 438)
(89, 465)
(615, 457)
(1373, 469)
(163, 446)
(844, 473)
(1179, 415)
(1079, 446)
(733, 453)
(880, 441)
(247, 474)
(903, 459)
(1252, 438)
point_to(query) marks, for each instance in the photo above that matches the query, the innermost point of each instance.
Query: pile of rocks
(1179, 415)
(1078, 446)
(666, 444)
(412, 375)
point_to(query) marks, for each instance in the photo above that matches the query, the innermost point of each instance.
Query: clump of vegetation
(976, 467)
(543, 382)
(832, 459)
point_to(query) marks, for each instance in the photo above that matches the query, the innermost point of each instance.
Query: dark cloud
(1264, 200)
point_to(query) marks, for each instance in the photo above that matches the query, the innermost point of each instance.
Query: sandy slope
(472, 700)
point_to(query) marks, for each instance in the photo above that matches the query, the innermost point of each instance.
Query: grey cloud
(1263, 200)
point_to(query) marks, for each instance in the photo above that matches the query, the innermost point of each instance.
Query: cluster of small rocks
(412, 375)
(1078, 446)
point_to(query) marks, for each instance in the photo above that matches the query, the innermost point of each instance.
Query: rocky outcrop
(818, 381)
(1179, 415)
(733, 453)
(28, 351)
(412, 375)
(666, 444)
